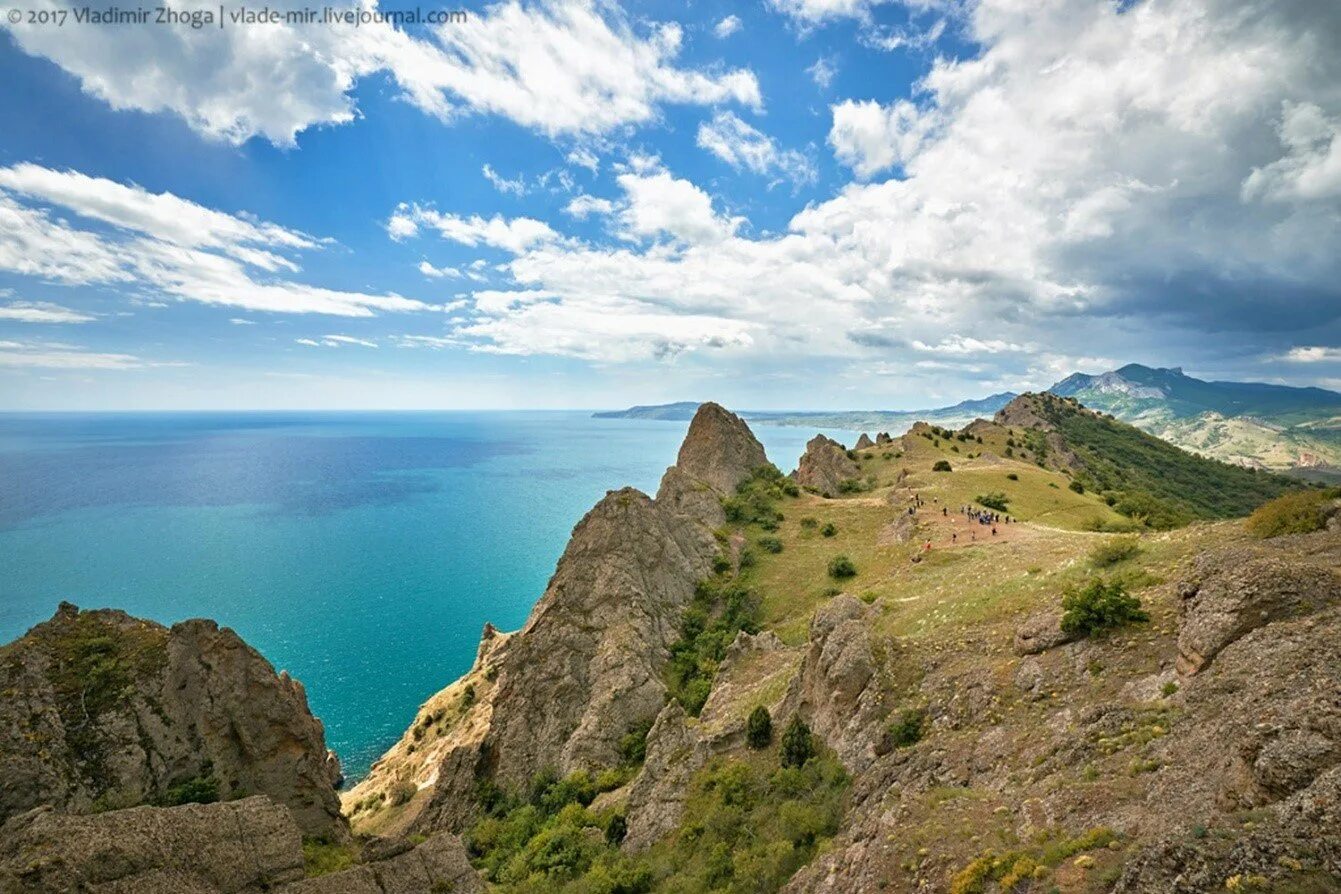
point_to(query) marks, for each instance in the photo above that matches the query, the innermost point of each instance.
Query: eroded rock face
(1041, 632)
(838, 689)
(675, 752)
(719, 449)
(587, 667)
(863, 442)
(104, 710)
(251, 845)
(1234, 592)
(825, 466)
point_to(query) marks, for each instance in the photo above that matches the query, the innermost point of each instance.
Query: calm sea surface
(361, 552)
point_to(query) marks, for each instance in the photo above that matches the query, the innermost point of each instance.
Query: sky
(777, 204)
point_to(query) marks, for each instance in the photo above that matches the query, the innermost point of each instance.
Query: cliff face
(586, 668)
(103, 711)
(825, 466)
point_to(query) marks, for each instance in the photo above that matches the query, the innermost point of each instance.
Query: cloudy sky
(782, 203)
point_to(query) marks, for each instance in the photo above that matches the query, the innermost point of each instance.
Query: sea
(361, 552)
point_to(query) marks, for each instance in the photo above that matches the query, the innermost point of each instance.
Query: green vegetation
(1301, 512)
(722, 607)
(941, 465)
(770, 544)
(798, 744)
(841, 566)
(321, 856)
(1111, 552)
(994, 500)
(1150, 479)
(906, 728)
(756, 498)
(759, 728)
(200, 789)
(1009, 871)
(1099, 606)
(829, 529)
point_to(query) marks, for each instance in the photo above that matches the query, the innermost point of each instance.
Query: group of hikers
(984, 517)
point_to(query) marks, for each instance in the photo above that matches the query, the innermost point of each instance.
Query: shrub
(759, 728)
(1297, 513)
(941, 465)
(798, 745)
(1011, 476)
(829, 529)
(1098, 606)
(616, 829)
(633, 744)
(721, 609)
(809, 523)
(202, 789)
(995, 500)
(770, 544)
(321, 857)
(841, 566)
(1109, 553)
(1077, 487)
(906, 728)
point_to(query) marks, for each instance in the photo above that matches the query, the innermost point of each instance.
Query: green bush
(906, 728)
(202, 789)
(321, 857)
(829, 529)
(941, 465)
(633, 744)
(1301, 512)
(721, 608)
(809, 523)
(770, 544)
(841, 566)
(1077, 487)
(759, 728)
(995, 500)
(798, 745)
(1011, 476)
(1099, 606)
(1111, 552)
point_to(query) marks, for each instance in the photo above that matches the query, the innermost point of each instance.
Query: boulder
(1040, 632)
(1233, 592)
(825, 466)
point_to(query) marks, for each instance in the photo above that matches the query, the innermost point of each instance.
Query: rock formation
(825, 466)
(586, 669)
(240, 847)
(863, 442)
(103, 710)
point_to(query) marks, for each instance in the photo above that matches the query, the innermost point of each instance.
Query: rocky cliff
(586, 669)
(103, 710)
(825, 466)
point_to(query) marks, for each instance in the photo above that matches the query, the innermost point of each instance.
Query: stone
(825, 466)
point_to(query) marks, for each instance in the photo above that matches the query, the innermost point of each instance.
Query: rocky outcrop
(838, 689)
(656, 797)
(103, 710)
(586, 669)
(863, 442)
(1041, 632)
(1233, 592)
(884, 438)
(251, 845)
(825, 466)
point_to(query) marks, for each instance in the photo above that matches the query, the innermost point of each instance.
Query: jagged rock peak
(104, 710)
(719, 449)
(825, 466)
(863, 442)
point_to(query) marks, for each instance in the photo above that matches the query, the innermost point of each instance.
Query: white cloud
(814, 12)
(51, 355)
(869, 137)
(1077, 182)
(335, 341)
(1313, 354)
(41, 312)
(584, 157)
(1311, 167)
(438, 272)
(161, 244)
(740, 145)
(513, 235)
(584, 206)
(516, 186)
(822, 72)
(239, 321)
(726, 27)
(571, 67)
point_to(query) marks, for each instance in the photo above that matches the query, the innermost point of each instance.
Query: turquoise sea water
(361, 552)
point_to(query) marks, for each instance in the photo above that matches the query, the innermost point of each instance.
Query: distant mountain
(1247, 423)
(895, 421)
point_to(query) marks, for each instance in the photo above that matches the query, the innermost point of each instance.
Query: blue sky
(790, 203)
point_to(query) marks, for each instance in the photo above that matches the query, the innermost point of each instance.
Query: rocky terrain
(970, 661)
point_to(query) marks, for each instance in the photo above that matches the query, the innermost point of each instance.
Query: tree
(759, 728)
(798, 746)
(941, 465)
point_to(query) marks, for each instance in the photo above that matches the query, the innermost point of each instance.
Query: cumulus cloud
(814, 12)
(822, 72)
(740, 145)
(726, 27)
(1082, 178)
(1313, 354)
(585, 206)
(438, 272)
(42, 312)
(159, 243)
(560, 67)
(513, 235)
